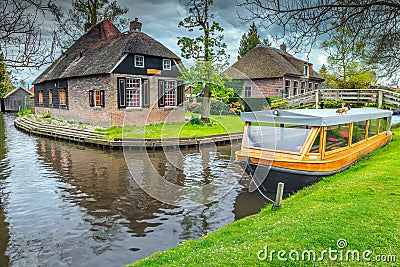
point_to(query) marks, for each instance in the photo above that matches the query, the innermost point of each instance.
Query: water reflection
(4, 235)
(74, 206)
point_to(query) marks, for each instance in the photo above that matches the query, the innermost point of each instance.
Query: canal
(66, 205)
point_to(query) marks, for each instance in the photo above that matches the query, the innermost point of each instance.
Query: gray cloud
(160, 20)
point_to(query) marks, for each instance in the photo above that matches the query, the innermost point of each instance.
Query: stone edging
(92, 138)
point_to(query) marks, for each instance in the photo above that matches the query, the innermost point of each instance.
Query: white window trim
(303, 88)
(290, 87)
(176, 92)
(170, 64)
(136, 57)
(306, 68)
(251, 90)
(140, 93)
(298, 83)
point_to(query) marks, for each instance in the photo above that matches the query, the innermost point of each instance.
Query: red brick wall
(273, 87)
(264, 87)
(80, 111)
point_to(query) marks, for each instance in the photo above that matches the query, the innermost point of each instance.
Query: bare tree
(23, 42)
(71, 23)
(301, 23)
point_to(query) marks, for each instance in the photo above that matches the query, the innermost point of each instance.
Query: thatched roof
(267, 62)
(99, 50)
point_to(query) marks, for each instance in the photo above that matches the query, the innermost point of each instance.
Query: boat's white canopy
(314, 117)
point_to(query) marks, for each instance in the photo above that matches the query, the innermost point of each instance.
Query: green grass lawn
(360, 205)
(226, 124)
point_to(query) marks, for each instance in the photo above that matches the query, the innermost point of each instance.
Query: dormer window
(139, 61)
(305, 70)
(166, 64)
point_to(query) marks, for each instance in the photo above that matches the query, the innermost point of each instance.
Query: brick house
(267, 71)
(107, 77)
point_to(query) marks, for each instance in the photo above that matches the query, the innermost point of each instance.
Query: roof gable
(16, 90)
(99, 50)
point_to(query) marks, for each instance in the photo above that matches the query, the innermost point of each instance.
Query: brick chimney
(88, 25)
(135, 25)
(283, 47)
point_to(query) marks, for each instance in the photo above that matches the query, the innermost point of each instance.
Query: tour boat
(299, 147)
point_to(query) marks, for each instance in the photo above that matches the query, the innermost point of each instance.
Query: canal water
(66, 205)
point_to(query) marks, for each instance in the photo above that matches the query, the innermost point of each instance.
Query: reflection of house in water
(100, 182)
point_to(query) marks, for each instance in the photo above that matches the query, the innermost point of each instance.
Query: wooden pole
(380, 99)
(279, 195)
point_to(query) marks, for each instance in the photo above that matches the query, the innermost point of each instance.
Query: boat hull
(267, 178)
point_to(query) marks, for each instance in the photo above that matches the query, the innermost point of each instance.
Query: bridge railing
(382, 97)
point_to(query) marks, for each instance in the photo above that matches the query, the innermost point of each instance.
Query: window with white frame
(166, 64)
(170, 93)
(303, 87)
(310, 87)
(316, 85)
(288, 85)
(306, 70)
(133, 86)
(247, 91)
(295, 87)
(139, 61)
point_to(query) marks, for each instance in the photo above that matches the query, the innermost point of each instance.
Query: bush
(332, 103)
(280, 104)
(215, 107)
(23, 112)
(255, 103)
(46, 115)
(194, 120)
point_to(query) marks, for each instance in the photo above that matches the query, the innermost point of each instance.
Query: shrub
(332, 103)
(255, 103)
(194, 120)
(46, 115)
(23, 112)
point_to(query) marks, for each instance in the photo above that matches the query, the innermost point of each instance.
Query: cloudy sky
(160, 20)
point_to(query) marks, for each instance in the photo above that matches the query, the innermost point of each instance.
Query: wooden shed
(15, 100)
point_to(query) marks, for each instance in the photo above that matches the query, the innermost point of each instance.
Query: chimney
(135, 25)
(88, 25)
(283, 47)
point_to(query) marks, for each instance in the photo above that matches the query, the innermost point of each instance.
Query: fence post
(380, 98)
(316, 98)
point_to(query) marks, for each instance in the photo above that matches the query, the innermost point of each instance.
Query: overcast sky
(160, 20)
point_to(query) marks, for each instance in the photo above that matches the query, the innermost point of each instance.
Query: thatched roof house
(273, 72)
(106, 72)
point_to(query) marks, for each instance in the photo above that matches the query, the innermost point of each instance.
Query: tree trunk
(206, 103)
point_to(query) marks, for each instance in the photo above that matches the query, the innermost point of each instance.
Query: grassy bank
(226, 124)
(360, 205)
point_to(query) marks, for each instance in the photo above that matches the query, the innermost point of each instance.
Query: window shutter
(91, 98)
(145, 93)
(102, 98)
(180, 93)
(161, 98)
(121, 92)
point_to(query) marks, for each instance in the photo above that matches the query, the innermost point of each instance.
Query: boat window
(315, 146)
(290, 139)
(382, 127)
(359, 131)
(337, 136)
(372, 127)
